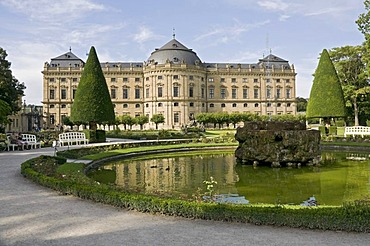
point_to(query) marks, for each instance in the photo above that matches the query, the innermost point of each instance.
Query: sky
(236, 31)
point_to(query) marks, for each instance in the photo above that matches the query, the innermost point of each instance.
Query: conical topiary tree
(326, 96)
(92, 104)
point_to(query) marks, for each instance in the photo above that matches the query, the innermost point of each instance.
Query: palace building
(174, 82)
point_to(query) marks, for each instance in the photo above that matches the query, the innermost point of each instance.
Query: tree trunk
(93, 126)
(355, 110)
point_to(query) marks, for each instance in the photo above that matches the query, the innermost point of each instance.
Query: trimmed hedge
(349, 217)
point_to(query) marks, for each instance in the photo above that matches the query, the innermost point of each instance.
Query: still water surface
(341, 177)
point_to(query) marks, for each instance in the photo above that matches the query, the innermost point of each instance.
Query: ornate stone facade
(174, 82)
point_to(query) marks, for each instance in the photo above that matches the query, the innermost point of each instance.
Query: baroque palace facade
(174, 82)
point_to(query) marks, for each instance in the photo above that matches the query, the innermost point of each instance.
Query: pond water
(341, 177)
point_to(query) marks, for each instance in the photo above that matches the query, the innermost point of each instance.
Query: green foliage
(301, 104)
(95, 136)
(349, 217)
(5, 110)
(92, 104)
(141, 120)
(126, 120)
(157, 119)
(67, 121)
(235, 118)
(326, 96)
(11, 90)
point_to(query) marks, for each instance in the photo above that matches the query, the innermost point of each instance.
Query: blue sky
(34, 31)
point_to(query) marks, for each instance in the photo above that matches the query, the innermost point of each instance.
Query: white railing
(356, 130)
(31, 140)
(70, 138)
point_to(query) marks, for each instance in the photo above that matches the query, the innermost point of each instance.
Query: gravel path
(37, 216)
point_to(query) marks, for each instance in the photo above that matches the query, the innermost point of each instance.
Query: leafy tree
(235, 118)
(141, 120)
(326, 96)
(5, 110)
(351, 72)
(157, 119)
(301, 104)
(363, 23)
(127, 120)
(67, 121)
(92, 104)
(11, 90)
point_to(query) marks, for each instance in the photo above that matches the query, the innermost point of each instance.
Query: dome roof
(174, 52)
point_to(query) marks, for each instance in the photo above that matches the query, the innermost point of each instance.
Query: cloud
(91, 33)
(275, 5)
(52, 11)
(225, 34)
(144, 34)
(284, 17)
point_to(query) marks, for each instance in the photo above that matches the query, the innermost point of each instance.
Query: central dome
(174, 52)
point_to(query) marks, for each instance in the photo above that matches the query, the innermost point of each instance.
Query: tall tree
(351, 72)
(326, 96)
(363, 23)
(11, 90)
(92, 104)
(5, 110)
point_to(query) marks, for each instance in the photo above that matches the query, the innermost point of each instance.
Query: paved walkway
(37, 216)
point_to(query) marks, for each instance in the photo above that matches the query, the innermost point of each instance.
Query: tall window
(211, 92)
(233, 93)
(113, 93)
(175, 91)
(74, 93)
(125, 93)
(288, 93)
(268, 93)
(191, 91)
(278, 93)
(160, 91)
(147, 92)
(52, 94)
(223, 93)
(137, 93)
(245, 93)
(203, 92)
(176, 117)
(256, 93)
(63, 93)
(52, 119)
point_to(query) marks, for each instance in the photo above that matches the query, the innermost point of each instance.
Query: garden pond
(341, 177)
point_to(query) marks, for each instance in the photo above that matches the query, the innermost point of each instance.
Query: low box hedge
(349, 217)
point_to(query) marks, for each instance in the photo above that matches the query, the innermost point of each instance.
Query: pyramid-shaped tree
(92, 104)
(326, 96)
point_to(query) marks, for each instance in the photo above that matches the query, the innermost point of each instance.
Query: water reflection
(338, 179)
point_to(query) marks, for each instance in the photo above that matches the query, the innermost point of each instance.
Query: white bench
(31, 140)
(357, 130)
(72, 137)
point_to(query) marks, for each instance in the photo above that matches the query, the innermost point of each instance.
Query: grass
(151, 148)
